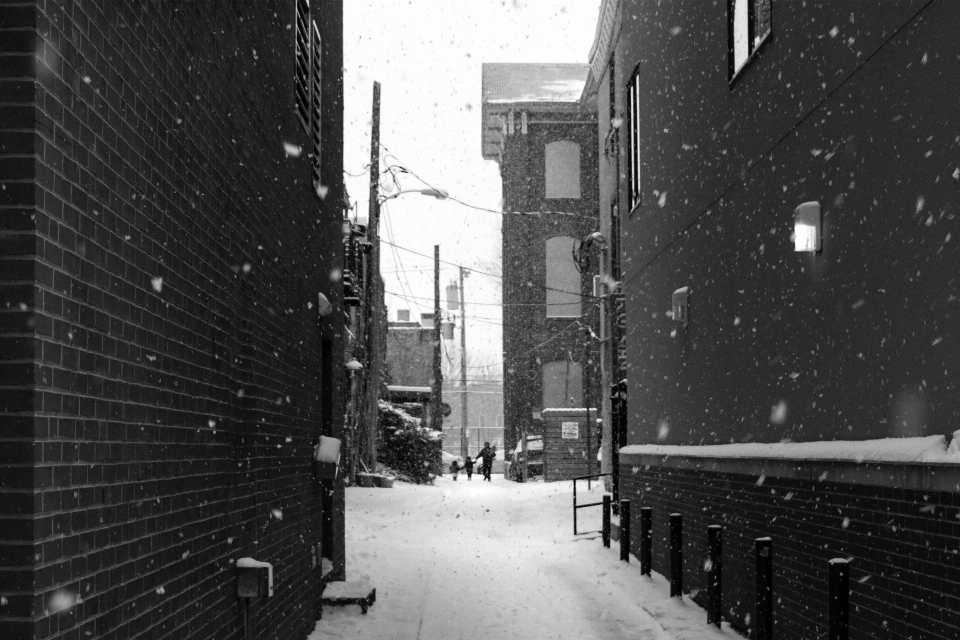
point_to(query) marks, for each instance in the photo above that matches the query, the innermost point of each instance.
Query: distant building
(409, 362)
(171, 198)
(783, 180)
(546, 146)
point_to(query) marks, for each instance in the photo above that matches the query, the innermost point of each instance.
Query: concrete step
(341, 593)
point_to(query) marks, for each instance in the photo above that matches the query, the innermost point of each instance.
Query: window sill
(749, 61)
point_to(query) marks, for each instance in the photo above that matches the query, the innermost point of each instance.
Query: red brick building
(170, 208)
(546, 146)
(719, 121)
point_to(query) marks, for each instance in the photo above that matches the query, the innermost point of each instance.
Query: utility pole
(436, 413)
(463, 371)
(374, 292)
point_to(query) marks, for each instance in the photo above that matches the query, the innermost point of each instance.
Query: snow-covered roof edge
(575, 411)
(927, 449)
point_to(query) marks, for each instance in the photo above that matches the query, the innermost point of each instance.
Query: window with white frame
(749, 25)
(563, 279)
(562, 169)
(633, 146)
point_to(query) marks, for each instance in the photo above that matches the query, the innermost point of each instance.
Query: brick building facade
(546, 147)
(167, 222)
(729, 116)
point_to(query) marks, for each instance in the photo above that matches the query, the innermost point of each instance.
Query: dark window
(749, 25)
(633, 149)
(302, 77)
(315, 104)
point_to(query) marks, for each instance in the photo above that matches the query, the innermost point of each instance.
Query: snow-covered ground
(476, 559)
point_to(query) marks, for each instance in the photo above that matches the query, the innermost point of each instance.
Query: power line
(531, 350)
(478, 208)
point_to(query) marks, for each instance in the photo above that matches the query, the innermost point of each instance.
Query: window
(302, 83)
(633, 149)
(563, 279)
(748, 28)
(562, 384)
(308, 81)
(315, 103)
(563, 169)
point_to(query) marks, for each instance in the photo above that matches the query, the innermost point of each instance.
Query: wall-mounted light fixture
(324, 308)
(353, 365)
(681, 300)
(806, 228)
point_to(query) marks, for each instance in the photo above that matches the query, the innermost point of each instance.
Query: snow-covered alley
(476, 559)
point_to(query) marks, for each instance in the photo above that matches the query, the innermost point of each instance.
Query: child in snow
(468, 466)
(454, 469)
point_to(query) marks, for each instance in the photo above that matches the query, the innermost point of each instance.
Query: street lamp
(439, 194)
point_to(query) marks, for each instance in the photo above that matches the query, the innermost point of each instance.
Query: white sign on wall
(570, 430)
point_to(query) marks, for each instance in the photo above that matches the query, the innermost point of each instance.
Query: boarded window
(562, 385)
(563, 279)
(563, 169)
(315, 83)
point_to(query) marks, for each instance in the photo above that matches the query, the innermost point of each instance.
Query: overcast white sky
(427, 56)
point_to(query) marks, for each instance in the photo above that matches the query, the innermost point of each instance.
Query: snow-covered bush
(406, 446)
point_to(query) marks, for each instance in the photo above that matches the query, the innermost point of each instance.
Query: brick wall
(18, 243)
(531, 339)
(159, 417)
(904, 574)
(566, 458)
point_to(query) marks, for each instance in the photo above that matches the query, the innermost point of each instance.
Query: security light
(806, 228)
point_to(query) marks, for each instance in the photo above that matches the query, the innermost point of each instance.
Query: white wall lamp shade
(681, 300)
(324, 308)
(353, 365)
(807, 227)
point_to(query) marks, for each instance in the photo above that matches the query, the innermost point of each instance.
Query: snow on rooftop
(515, 82)
(929, 449)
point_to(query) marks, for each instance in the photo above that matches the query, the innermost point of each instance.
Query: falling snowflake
(157, 284)
(292, 150)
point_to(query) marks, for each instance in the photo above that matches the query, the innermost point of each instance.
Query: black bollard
(714, 569)
(764, 556)
(606, 521)
(625, 530)
(676, 555)
(839, 599)
(646, 540)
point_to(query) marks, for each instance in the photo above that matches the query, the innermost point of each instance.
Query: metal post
(676, 555)
(464, 449)
(574, 507)
(646, 540)
(625, 530)
(764, 557)
(714, 570)
(606, 521)
(839, 599)
(436, 411)
(374, 297)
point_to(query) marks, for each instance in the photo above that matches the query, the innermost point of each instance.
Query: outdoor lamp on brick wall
(324, 308)
(807, 227)
(353, 365)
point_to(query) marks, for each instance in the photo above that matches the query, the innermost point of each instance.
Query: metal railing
(583, 506)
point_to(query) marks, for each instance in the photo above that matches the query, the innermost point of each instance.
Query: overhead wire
(532, 349)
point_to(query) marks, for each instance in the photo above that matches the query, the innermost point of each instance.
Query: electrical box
(326, 456)
(681, 301)
(254, 578)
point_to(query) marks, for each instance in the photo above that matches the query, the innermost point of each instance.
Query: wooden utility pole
(374, 293)
(436, 413)
(464, 449)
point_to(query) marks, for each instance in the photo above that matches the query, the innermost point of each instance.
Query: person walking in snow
(487, 454)
(455, 468)
(468, 467)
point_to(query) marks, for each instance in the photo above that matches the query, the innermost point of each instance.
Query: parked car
(534, 459)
